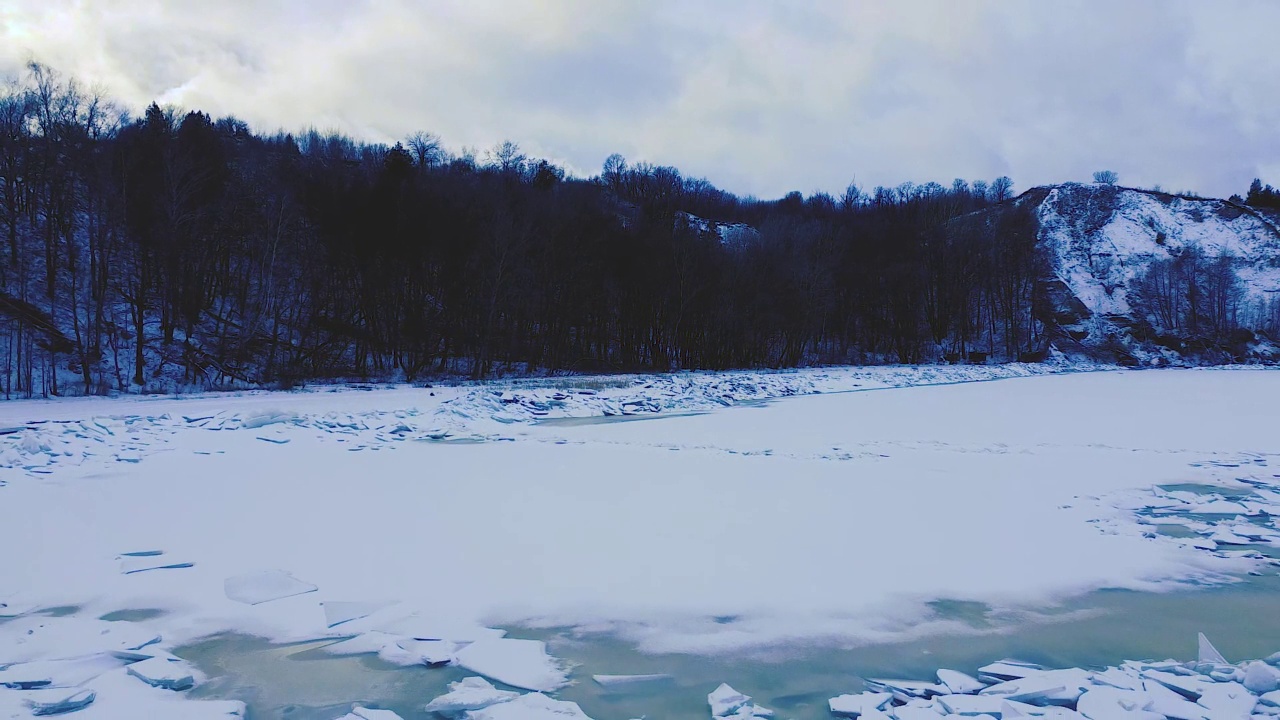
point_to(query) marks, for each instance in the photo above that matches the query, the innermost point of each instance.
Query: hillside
(1150, 277)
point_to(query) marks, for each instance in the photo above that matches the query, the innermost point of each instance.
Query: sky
(761, 97)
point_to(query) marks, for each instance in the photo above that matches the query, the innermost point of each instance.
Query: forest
(176, 250)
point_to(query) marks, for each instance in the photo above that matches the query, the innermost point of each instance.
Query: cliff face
(1145, 277)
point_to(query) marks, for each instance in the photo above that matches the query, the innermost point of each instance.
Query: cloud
(759, 97)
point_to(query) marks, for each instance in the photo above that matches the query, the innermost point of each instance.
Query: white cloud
(760, 97)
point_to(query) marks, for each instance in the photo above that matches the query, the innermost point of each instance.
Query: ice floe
(533, 706)
(958, 682)
(729, 703)
(30, 638)
(628, 680)
(473, 693)
(264, 586)
(855, 705)
(364, 713)
(339, 612)
(523, 664)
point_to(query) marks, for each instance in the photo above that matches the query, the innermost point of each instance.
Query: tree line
(179, 250)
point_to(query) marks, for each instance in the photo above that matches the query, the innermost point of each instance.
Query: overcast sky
(760, 97)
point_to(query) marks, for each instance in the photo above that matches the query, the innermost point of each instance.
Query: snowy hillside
(1124, 262)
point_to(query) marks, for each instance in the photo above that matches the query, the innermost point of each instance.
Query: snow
(523, 664)
(399, 541)
(1099, 257)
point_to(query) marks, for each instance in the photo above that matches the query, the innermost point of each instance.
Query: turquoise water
(302, 682)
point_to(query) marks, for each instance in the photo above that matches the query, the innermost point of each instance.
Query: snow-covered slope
(1101, 244)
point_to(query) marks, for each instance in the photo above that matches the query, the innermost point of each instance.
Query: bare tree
(1106, 177)
(1001, 188)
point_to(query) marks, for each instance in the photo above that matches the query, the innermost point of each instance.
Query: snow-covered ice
(628, 680)
(1014, 494)
(855, 705)
(473, 693)
(364, 713)
(729, 704)
(264, 586)
(533, 706)
(958, 682)
(519, 663)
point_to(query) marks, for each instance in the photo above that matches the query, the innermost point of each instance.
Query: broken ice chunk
(59, 701)
(1108, 703)
(338, 612)
(959, 683)
(1052, 687)
(1226, 536)
(855, 705)
(909, 712)
(519, 663)
(976, 705)
(1261, 678)
(1118, 678)
(1228, 700)
(904, 690)
(429, 652)
(729, 703)
(131, 563)
(473, 693)
(164, 671)
(1171, 704)
(1008, 670)
(1190, 688)
(260, 587)
(1208, 653)
(1008, 712)
(363, 713)
(534, 706)
(624, 680)
(57, 673)
(30, 637)
(424, 628)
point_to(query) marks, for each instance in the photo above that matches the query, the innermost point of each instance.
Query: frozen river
(786, 547)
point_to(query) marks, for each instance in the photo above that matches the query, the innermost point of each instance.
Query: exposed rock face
(1143, 277)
